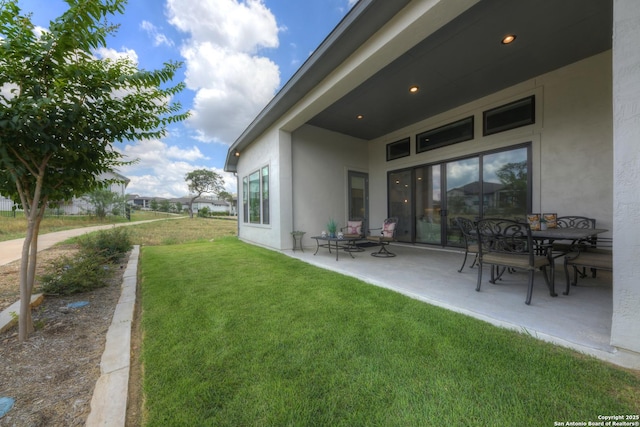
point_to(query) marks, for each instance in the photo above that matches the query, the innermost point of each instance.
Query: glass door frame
(365, 217)
(443, 186)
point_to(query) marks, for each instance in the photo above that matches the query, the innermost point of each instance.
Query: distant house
(78, 205)
(213, 205)
(82, 205)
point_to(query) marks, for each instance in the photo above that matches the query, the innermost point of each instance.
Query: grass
(240, 335)
(172, 232)
(15, 227)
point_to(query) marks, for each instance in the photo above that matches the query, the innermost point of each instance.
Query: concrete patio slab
(580, 320)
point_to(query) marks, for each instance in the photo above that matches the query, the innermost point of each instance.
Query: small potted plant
(332, 227)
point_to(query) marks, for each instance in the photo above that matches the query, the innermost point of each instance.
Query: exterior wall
(271, 149)
(626, 174)
(571, 141)
(321, 161)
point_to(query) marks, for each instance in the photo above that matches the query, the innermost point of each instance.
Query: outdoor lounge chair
(467, 227)
(387, 235)
(508, 244)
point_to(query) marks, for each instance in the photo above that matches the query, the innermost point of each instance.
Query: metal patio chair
(387, 235)
(468, 229)
(507, 244)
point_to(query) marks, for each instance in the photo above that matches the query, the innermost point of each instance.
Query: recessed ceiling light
(414, 88)
(359, 117)
(509, 38)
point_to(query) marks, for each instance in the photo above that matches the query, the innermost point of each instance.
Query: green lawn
(236, 335)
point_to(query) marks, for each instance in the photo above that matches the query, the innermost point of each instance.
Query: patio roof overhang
(461, 61)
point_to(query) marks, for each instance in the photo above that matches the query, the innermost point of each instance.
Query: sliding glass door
(400, 191)
(428, 204)
(463, 195)
(359, 198)
(494, 183)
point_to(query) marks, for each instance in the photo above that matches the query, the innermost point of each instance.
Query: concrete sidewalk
(11, 250)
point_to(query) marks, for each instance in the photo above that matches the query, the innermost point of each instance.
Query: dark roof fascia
(362, 21)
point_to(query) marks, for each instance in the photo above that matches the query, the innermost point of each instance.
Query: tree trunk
(27, 276)
(35, 213)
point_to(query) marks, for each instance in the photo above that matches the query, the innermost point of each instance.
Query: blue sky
(237, 54)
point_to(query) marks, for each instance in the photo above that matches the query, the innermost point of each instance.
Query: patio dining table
(571, 235)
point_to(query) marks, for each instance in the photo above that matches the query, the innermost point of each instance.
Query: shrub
(74, 274)
(111, 244)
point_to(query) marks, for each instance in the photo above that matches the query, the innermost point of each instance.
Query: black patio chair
(353, 230)
(387, 235)
(563, 248)
(470, 238)
(507, 244)
(597, 256)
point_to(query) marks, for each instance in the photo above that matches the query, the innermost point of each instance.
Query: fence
(9, 209)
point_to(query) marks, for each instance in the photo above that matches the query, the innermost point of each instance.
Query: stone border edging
(109, 401)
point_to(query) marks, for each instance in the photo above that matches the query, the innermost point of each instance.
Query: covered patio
(580, 320)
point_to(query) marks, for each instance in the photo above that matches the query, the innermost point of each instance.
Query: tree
(165, 206)
(103, 201)
(202, 181)
(154, 205)
(178, 207)
(62, 110)
(227, 197)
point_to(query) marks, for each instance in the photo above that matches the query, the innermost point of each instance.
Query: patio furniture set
(506, 245)
(349, 236)
(511, 244)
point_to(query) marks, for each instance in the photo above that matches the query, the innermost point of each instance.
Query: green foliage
(202, 181)
(204, 212)
(58, 125)
(74, 274)
(332, 226)
(62, 109)
(104, 200)
(111, 244)
(90, 269)
(165, 206)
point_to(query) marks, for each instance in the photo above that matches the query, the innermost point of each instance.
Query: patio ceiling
(465, 60)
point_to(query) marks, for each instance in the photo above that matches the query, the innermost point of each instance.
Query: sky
(236, 55)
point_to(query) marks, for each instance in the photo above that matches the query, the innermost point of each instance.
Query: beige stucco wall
(272, 149)
(625, 329)
(571, 141)
(321, 161)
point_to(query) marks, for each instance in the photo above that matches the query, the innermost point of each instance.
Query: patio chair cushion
(599, 259)
(516, 260)
(354, 227)
(388, 229)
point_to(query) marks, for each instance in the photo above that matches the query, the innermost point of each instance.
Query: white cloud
(158, 37)
(232, 82)
(352, 3)
(161, 168)
(108, 53)
(238, 26)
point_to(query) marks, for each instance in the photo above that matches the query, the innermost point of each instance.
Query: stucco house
(80, 205)
(406, 101)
